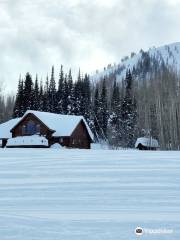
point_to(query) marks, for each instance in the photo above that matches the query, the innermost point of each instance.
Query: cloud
(36, 34)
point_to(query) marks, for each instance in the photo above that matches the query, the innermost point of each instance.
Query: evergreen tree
(52, 93)
(114, 123)
(128, 114)
(70, 94)
(78, 96)
(86, 95)
(32, 97)
(65, 95)
(41, 96)
(36, 95)
(18, 110)
(103, 111)
(46, 104)
(28, 93)
(60, 90)
(96, 106)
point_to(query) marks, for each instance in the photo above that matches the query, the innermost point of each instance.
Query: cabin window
(61, 140)
(31, 128)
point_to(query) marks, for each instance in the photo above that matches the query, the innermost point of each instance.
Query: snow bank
(147, 142)
(34, 140)
(56, 146)
(99, 146)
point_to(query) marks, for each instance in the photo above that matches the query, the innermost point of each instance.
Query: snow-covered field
(54, 194)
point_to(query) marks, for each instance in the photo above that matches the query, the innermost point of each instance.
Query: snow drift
(34, 140)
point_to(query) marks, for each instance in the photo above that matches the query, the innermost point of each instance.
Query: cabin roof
(62, 125)
(147, 142)
(6, 127)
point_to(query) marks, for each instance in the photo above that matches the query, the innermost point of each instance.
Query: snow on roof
(63, 125)
(7, 126)
(33, 140)
(147, 142)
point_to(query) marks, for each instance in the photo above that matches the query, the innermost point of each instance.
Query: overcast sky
(36, 34)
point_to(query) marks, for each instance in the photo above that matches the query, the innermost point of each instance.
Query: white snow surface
(170, 54)
(7, 126)
(147, 142)
(34, 140)
(88, 194)
(64, 125)
(99, 146)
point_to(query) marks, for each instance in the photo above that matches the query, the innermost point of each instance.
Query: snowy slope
(88, 195)
(170, 54)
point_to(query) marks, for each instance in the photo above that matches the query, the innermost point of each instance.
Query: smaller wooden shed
(146, 143)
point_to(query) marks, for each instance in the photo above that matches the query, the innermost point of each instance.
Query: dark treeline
(67, 97)
(113, 119)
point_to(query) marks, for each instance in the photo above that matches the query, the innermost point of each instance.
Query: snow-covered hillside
(88, 194)
(169, 54)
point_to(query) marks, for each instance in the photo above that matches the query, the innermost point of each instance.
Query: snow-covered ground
(57, 194)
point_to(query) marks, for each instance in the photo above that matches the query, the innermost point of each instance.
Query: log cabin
(68, 130)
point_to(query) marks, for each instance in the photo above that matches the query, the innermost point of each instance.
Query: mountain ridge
(168, 54)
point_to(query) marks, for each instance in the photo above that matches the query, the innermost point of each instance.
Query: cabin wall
(80, 137)
(18, 131)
